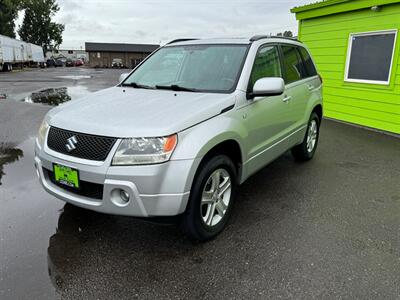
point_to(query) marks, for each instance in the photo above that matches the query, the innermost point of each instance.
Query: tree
(37, 26)
(286, 33)
(8, 14)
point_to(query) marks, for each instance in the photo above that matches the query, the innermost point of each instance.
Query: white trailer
(14, 52)
(36, 52)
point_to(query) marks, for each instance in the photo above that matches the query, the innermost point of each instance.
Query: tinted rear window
(294, 68)
(308, 63)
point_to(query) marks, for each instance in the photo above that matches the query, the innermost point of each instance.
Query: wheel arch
(229, 147)
(319, 111)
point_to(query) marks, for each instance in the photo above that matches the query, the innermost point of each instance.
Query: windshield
(196, 68)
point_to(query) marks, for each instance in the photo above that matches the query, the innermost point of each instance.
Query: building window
(70, 52)
(98, 54)
(370, 57)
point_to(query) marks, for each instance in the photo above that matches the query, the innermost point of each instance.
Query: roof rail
(259, 37)
(181, 40)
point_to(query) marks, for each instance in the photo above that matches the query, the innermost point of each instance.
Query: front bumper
(154, 190)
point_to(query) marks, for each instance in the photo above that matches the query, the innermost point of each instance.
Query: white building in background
(68, 53)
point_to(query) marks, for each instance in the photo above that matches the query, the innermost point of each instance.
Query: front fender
(195, 142)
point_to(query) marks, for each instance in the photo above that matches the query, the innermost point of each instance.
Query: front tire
(211, 199)
(306, 150)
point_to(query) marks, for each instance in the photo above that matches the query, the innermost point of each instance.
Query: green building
(356, 48)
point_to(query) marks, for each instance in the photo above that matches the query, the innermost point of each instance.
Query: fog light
(124, 196)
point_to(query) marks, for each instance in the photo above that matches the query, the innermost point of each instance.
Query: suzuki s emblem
(71, 143)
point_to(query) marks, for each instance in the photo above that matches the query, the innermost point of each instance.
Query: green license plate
(66, 176)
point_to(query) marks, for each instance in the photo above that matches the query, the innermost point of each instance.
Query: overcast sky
(157, 21)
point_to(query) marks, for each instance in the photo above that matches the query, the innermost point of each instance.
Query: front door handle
(286, 99)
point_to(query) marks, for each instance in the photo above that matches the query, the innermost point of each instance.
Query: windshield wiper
(175, 87)
(137, 85)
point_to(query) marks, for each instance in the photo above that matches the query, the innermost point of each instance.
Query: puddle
(56, 96)
(75, 77)
(8, 155)
(28, 216)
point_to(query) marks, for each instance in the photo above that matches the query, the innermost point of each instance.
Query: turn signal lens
(170, 143)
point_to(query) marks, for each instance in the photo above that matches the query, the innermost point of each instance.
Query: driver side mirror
(267, 86)
(123, 76)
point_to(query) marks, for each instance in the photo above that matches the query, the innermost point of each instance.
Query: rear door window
(294, 67)
(308, 63)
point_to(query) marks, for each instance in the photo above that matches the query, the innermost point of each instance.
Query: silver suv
(183, 130)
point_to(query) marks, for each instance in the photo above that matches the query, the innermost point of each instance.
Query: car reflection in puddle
(56, 96)
(65, 244)
(8, 155)
(88, 246)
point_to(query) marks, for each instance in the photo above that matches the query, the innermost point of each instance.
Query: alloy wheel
(216, 197)
(312, 135)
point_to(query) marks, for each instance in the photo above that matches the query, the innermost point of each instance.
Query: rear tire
(211, 199)
(306, 150)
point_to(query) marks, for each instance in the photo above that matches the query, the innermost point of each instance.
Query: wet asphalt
(326, 229)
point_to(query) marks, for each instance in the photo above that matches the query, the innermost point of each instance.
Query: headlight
(42, 132)
(142, 151)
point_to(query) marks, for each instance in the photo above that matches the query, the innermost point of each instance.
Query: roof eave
(335, 6)
(316, 5)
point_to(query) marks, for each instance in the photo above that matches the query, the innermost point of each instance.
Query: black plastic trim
(228, 108)
(260, 37)
(181, 40)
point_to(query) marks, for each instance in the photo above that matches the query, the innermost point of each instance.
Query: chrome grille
(92, 147)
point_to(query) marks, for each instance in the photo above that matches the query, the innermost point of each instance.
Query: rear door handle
(286, 99)
(311, 87)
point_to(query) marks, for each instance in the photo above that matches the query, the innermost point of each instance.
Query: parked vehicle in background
(51, 62)
(78, 63)
(14, 52)
(69, 63)
(177, 136)
(117, 63)
(59, 63)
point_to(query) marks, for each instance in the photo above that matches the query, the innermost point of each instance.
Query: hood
(129, 112)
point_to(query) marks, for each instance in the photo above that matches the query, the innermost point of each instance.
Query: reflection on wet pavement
(8, 154)
(88, 246)
(56, 96)
(26, 212)
(75, 77)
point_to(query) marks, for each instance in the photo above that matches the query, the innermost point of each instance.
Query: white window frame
(350, 45)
